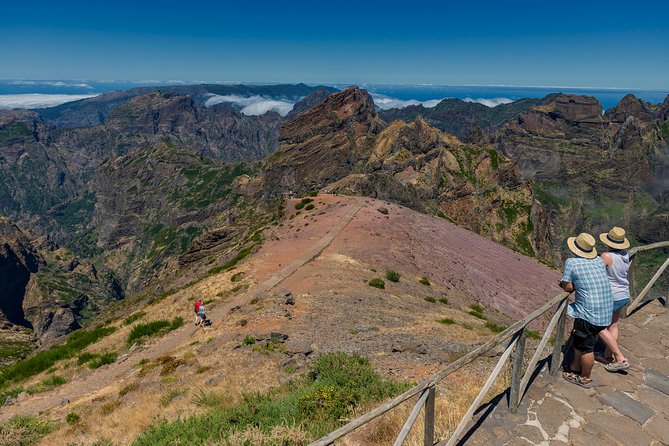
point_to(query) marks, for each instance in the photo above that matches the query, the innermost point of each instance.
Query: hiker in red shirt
(198, 313)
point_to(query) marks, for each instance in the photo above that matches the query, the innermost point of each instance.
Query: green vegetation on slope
(335, 386)
(45, 359)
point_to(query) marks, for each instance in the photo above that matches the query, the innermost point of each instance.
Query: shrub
(72, 418)
(133, 317)
(306, 200)
(151, 329)
(393, 276)
(477, 314)
(102, 359)
(166, 399)
(299, 205)
(309, 207)
(24, 430)
(377, 283)
(248, 340)
(46, 384)
(237, 277)
(84, 358)
(446, 321)
(313, 193)
(476, 310)
(443, 300)
(131, 387)
(430, 299)
(425, 281)
(45, 359)
(494, 327)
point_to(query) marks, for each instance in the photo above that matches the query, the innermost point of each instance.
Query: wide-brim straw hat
(615, 238)
(583, 245)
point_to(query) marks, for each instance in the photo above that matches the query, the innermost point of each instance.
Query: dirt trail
(103, 377)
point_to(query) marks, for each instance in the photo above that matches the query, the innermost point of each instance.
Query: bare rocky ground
(324, 258)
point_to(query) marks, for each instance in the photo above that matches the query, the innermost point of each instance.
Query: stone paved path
(621, 409)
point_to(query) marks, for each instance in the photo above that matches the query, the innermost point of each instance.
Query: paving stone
(501, 433)
(601, 377)
(627, 406)
(655, 399)
(661, 364)
(519, 442)
(583, 438)
(657, 381)
(658, 427)
(618, 430)
(640, 348)
(531, 433)
(582, 400)
(552, 414)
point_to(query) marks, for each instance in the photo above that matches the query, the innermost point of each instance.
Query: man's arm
(567, 286)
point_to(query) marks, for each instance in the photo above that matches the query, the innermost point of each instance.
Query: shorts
(619, 304)
(584, 335)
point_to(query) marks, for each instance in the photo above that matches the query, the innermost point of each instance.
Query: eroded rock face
(323, 144)
(341, 146)
(592, 170)
(17, 262)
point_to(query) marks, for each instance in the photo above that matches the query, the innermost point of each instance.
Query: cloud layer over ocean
(253, 105)
(387, 102)
(38, 100)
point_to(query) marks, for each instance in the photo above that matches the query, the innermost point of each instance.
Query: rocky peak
(574, 108)
(628, 106)
(324, 143)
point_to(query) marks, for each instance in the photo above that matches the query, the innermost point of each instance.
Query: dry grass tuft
(454, 396)
(128, 388)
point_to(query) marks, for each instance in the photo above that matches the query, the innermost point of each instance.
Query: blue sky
(588, 44)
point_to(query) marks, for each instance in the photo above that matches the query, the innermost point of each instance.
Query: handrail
(518, 387)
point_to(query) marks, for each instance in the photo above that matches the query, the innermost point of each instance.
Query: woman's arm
(606, 257)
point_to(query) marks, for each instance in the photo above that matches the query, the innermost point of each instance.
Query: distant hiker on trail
(617, 266)
(592, 308)
(199, 312)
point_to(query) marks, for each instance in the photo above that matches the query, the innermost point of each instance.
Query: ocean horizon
(25, 93)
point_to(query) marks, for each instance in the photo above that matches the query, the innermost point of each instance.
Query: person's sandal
(603, 359)
(578, 380)
(617, 366)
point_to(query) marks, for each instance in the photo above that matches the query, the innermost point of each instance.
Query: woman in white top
(617, 266)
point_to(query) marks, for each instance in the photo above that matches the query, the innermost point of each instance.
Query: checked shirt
(594, 300)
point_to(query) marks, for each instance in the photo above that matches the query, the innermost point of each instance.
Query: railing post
(517, 361)
(429, 418)
(556, 359)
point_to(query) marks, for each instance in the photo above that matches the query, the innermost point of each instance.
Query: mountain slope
(325, 257)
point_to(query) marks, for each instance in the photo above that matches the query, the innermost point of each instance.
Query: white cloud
(493, 102)
(51, 84)
(252, 105)
(36, 100)
(386, 102)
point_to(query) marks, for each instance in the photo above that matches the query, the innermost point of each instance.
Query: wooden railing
(515, 337)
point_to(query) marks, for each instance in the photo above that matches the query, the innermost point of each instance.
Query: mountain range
(141, 191)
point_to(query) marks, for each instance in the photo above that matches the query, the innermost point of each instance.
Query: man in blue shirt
(592, 308)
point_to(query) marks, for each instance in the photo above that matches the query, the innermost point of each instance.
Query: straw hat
(583, 245)
(615, 238)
